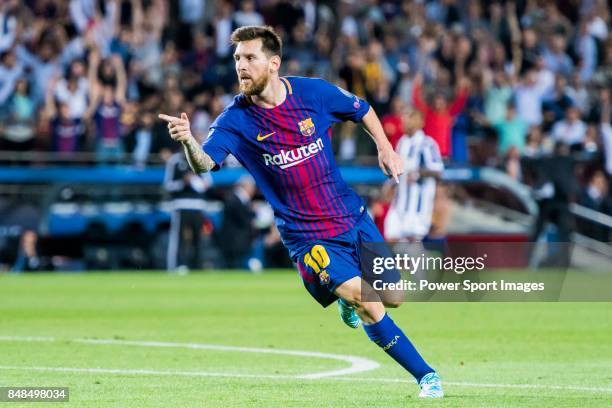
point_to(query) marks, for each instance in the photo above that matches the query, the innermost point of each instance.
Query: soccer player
(409, 217)
(279, 129)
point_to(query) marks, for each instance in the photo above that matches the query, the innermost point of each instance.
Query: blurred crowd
(496, 80)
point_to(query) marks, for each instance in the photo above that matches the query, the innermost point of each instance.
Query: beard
(254, 87)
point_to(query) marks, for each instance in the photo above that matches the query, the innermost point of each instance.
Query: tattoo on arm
(199, 161)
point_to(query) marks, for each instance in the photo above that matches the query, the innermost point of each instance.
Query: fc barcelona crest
(307, 127)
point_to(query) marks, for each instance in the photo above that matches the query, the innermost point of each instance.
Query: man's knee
(370, 312)
(363, 298)
(393, 303)
(392, 299)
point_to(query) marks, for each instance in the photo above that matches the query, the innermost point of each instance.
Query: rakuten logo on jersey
(293, 157)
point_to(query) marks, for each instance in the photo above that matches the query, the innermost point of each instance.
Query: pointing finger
(393, 172)
(168, 118)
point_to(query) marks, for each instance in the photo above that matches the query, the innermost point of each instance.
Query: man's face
(413, 121)
(510, 113)
(254, 67)
(439, 103)
(572, 114)
(77, 69)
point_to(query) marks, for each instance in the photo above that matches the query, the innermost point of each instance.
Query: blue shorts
(327, 263)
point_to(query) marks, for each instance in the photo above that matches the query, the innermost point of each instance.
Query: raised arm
(137, 21)
(159, 19)
(94, 86)
(417, 94)
(462, 96)
(49, 110)
(388, 160)
(121, 87)
(515, 37)
(180, 131)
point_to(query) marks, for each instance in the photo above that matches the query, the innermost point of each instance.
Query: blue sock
(394, 342)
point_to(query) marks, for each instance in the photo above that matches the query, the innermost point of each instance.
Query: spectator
(596, 197)
(73, 90)
(199, 57)
(375, 69)
(410, 214)
(511, 132)
(531, 51)
(578, 93)
(439, 116)
(66, 132)
(586, 49)
(548, 55)
(497, 96)
(352, 73)
(529, 96)
(600, 106)
(10, 71)
(380, 100)
(105, 110)
(392, 122)
(555, 57)
(321, 65)
(247, 15)
(300, 49)
(380, 207)
(556, 188)
(142, 140)
(534, 143)
(222, 29)
(147, 30)
(19, 122)
(603, 73)
(571, 130)
(557, 103)
(186, 198)
(590, 144)
(238, 224)
(191, 12)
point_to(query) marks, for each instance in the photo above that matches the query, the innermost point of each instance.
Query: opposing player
(279, 129)
(409, 217)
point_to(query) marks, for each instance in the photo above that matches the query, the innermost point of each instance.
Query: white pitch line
(149, 372)
(484, 385)
(357, 364)
(294, 377)
(26, 338)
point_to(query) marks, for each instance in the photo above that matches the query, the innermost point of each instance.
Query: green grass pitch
(488, 354)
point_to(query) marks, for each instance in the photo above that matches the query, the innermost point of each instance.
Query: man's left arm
(388, 160)
(343, 105)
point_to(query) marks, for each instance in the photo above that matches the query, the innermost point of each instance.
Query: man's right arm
(180, 131)
(199, 161)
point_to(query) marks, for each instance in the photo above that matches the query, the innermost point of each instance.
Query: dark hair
(271, 43)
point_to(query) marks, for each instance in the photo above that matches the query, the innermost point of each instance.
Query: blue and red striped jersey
(288, 151)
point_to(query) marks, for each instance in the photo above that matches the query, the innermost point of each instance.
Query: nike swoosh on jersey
(260, 137)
